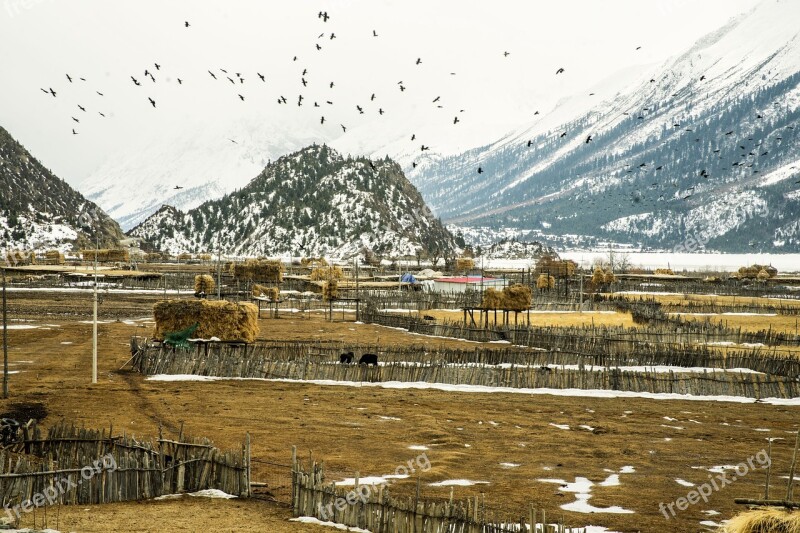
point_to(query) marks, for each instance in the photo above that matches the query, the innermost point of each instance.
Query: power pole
(94, 322)
(219, 269)
(5, 339)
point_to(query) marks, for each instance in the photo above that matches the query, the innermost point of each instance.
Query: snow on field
(21, 326)
(317, 522)
(369, 480)
(657, 369)
(690, 262)
(206, 493)
(588, 393)
(510, 465)
(683, 482)
(457, 483)
(582, 487)
(560, 426)
(389, 417)
(418, 447)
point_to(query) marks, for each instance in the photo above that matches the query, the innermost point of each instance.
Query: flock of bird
(238, 81)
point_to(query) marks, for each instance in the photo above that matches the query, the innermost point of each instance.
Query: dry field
(370, 429)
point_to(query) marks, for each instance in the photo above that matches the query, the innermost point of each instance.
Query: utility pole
(94, 322)
(219, 269)
(5, 339)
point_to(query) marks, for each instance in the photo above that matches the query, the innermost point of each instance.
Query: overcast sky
(106, 42)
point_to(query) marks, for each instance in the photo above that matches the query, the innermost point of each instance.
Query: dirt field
(370, 429)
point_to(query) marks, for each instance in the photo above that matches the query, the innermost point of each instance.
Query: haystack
(227, 321)
(609, 277)
(770, 520)
(464, 264)
(204, 283)
(266, 270)
(204, 257)
(330, 291)
(184, 256)
(107, 255)
(152, 257)
(273, 293)
(545, 282)
(313, 261)
(598, 276)
(555, 267)
(517, 297)
(53, 257)
(492, 299)
(665, 271)
(752, 272)
(324, 273)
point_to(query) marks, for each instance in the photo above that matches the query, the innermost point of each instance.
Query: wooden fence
(527, 372)
(374, 509)
(85, 466)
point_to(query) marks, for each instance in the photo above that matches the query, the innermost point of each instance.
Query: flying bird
(506, 54)
(530, 143)
(261, 76)
(98, 92)
(74, 132)
(212, 75)
(413, 136)
(425, 148)
(152, 102)
(136, 82)
(419, 60)
(559, 71)
(101, 114)
(52, 92)
(436, 99)
(374, 33)
(344, 129)
(563, 135)
(76, 120)
(588, 139)
(324, 16)
(241, 98)
(361, 111)
(177, 187)
(180, 81)
(331, 85)
(70, 79)
(371, 98)
(380, 111)
(158, 67)
(480, 170)
(318, 46)
(322, 120)
(455, 120)
(82, 108)
(186, 24)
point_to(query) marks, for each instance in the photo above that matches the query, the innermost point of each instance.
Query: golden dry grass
(764, 521)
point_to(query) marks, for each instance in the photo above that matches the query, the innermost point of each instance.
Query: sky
(461, 46)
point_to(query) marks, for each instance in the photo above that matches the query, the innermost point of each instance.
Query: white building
(467, 283)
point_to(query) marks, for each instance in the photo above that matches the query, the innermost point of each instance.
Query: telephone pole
(94, 321)
(5, 339)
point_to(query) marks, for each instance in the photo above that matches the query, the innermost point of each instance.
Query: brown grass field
(369, 430)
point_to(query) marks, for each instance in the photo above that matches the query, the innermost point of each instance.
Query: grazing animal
(545, 369)
(428, 317)
(346, 358)
(368, 359)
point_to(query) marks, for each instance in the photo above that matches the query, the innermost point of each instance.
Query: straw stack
(227, 321)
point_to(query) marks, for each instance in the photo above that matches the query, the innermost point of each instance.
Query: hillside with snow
(313, 202)
(39, 211)
(701, 151)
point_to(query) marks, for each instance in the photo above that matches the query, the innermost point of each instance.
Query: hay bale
(184, 256)
(330, 291)
(227, 321)
(107, 255)
(273, 293)
(204, 283)
(545, 282)
(762, 275)
(464, 264)
(53, 257)
(313, 262)
(769, 520)
(492, 299)
(555, 267)
(609, 277)
(152, 257)
(752, 272)
(204, 257)
(517, 297)
(665, 271)
(266, 270)
(598, 277)
(323, 273)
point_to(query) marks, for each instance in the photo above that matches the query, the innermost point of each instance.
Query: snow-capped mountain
(40, 211)
(194, 156)
(702, 151)
(313, 202)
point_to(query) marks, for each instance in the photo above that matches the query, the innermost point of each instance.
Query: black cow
(368, 359)
(346, 358)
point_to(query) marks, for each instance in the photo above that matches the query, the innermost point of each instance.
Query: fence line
(36, 465)
(378, 511)
(224, 361)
